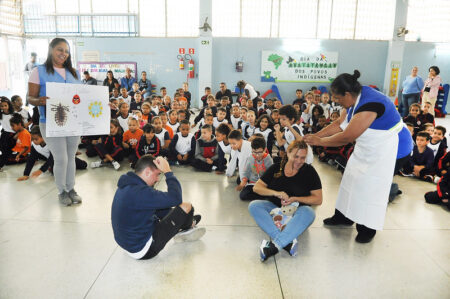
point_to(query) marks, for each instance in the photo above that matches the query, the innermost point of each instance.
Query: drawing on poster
(95, 109)
(60, 114)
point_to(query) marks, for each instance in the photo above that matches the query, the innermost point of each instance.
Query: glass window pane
(64, 6)
(256, 18)
(428, 21)
(182, 18)
(324, 19)
(153, 24)
(275, 11)
(375, 20)
(343, 19)
(110, 6)
(298, 18)
(85, 6)
(226, 18)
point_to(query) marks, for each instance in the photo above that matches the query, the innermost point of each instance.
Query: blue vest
(45, 77)
(388, 120)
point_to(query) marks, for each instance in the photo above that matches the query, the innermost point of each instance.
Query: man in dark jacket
(145, 219)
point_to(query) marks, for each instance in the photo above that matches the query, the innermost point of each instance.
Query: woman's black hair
(112, 74)
(14, 98)
(10, 106)
(36, 131)
(346, 83)
(116, 124)
(148, 128)
(16, 119)
(264, 116)
(435, 68)
(67, 64)
(289, 111)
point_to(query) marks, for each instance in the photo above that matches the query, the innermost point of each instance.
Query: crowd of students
(248, 134)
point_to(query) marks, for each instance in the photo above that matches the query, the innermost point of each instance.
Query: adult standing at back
(431, 87)
(224, 91)
(145, 85)
(412, 87)
(374, 123)
(31, 64)
(57, 68)
(127, 81)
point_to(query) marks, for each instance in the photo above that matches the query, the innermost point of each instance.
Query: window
(10, 18)
(428, 20)
(156, 24)
(256, 18)
(343, 19)
(226, 18)
(182, 18)
(298, 18)
(373, 23)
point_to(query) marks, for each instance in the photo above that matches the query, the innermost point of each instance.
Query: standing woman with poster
(374, 123)
(57, 68)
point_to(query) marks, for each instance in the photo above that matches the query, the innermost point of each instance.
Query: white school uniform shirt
(183, 145)
(251, 91)
(25, 115)
(44, 151)
(307, 116)
(160, 136)
(335, 107)
(248, 131)
(5, 123)
(155, 109)
(225, 148)
(126, 100)
(326, 110)
(235, 122)
(123, 122)
(269, 112)
(434, 147)
(217, 123)
(173, 127)
(265, 133)
(242, 156)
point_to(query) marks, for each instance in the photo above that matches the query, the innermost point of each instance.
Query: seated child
(40, 151)
(164, 120)
(114, 107)
(125, 97)
(224, 147)
(173, 121)
(109, 148)
(147, 113)
(201, 122)
(162, 135)
(321, 123)
(260, 108)
(275, 115)
(123, 116)
(131, 137)
(17, 103)
(324, 103)
(256, 165)
(269, 106)
(208, 120)
(442, 194)
(264, 127)
(220, 118)
(134, 90)
(235, 117)
(421, 161)
(249, 129)
(425, 117)
(243, 122)
(136, 103)
(182, 114)
(149, 144)
(182, 146)
(19, 153)
(240, 151)
(414, 111)
(438, 144)
(429, 128)
(205, 150)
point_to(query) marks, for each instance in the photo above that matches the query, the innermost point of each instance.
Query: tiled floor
(50, 251)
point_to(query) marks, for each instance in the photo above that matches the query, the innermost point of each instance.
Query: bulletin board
(98, 70)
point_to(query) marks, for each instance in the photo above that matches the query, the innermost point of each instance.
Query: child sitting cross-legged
(421, 160)
(207, 120)
(148, 144)
(19, 153)
(131, 137)
(40, 151)
(162, 134)
(206, 153)
(256, 165)
(182, 146)
(109, 148)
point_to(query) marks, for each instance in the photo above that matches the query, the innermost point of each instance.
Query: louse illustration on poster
(77, 110)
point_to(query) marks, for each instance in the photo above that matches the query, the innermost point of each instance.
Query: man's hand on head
(162, 165)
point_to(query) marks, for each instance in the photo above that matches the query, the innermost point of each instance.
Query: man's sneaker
(116, 165)
(214, 167)
(403, 173)
(64, 199)
(190, 235)
(96, 164)
(266, 250)
(429, 178)
(437, 179)
(292, 248)
(73, 195)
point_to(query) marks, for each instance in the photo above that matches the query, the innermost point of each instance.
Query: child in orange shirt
(132, 136)
(164, 120)
(146, 112)
(20, 151)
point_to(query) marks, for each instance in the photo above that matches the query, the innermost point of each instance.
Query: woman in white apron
(374, 123)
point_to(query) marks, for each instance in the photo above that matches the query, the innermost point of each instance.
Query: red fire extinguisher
(180, 62)
(191, 68)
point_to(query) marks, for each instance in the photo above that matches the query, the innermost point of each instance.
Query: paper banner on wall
(90, 55)
(77, 110)
(393, 85)
(278, 66)
(98, 70)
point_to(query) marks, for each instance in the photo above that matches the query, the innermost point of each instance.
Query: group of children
(252, 132)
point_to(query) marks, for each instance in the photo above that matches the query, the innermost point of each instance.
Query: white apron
(364, 190)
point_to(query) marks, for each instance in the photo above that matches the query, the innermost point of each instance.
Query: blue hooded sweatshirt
(134, 206)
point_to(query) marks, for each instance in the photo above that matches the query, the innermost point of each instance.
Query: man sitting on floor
(145, 219)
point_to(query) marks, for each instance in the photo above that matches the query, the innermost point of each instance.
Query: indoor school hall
(227, 149)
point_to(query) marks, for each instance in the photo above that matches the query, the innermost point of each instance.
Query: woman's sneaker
(74, 197)
(64, 199)
(292, 248)
(96, 164)
(266, 250)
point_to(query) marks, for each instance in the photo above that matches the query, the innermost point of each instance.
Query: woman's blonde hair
(296, 144)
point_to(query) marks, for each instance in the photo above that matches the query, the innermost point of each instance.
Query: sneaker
(65, 199)
(403, 173)
(292, 248)
(96, 164)
(331, 162)
(116, 165)
(266, 250)
(73, 195)
(429, 178)
(190, 235)
(436, 179)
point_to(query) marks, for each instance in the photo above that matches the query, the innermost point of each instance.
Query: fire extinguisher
(180, 62)
(191, 68)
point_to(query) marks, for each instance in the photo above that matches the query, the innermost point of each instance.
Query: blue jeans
(408, 100)
(300, 221)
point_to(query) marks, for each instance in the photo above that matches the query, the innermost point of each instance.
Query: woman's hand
(42, 101)
(288, 201)
(277, 127)
(312, 139)
(282, 195)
